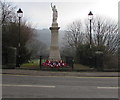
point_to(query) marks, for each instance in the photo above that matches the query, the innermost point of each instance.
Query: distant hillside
(45, 36)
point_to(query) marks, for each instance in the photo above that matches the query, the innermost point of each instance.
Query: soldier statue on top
(55, 13)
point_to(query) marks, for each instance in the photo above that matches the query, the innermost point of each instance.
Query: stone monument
(54, 48)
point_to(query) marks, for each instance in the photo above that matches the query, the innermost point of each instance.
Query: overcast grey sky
(39, 13)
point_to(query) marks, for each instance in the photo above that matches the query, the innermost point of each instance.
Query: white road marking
(108, 87)
(42, 86)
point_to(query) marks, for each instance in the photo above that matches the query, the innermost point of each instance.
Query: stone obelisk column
(54, 48)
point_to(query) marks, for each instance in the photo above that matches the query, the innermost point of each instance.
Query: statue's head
(54, 6)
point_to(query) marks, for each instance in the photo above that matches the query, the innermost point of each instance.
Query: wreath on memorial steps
(54, 64)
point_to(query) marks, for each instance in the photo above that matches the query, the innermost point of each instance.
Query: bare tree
(74, 35)
(10, 27)
(104, 33)
(8, 12)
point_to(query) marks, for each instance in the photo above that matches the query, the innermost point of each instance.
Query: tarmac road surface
(28, 86)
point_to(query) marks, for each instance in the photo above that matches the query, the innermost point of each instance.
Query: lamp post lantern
(90, 17)
(20, 15)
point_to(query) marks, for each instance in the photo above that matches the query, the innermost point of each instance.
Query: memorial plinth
(54, 48)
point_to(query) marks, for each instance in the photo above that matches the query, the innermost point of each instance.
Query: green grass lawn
(34, 62)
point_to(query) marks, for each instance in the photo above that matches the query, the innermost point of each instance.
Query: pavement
(59, 73)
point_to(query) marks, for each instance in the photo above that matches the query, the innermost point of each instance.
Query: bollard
(40, 62)
(72, 64)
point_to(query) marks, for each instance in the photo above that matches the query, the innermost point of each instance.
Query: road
(26, 86)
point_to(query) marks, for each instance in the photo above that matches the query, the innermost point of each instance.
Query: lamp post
(90, 17)
(20, 15)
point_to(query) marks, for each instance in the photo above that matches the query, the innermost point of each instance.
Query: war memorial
(54, 48)
(54, 59)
